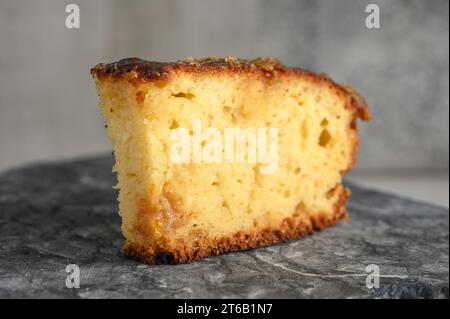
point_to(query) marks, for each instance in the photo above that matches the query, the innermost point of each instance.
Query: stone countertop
(53, 215)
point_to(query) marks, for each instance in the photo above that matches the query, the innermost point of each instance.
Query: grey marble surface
(65, 213)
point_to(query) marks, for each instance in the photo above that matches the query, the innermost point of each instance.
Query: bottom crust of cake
(289, 229)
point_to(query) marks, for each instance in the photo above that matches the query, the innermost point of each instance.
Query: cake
(187, 190)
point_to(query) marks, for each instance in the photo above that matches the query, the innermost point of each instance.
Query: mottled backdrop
(48, 103)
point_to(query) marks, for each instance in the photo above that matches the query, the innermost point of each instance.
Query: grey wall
(48, 105)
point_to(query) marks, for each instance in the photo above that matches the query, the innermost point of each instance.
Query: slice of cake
(218, 155)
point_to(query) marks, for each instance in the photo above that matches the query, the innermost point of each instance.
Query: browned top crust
(149, 71)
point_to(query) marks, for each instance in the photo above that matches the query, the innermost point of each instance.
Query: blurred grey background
(48, 104)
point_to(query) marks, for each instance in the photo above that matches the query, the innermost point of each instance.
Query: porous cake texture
(175, 212)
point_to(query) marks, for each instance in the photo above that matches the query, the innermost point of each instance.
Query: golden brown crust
(148, 71)
(289, 229)
(137, 70)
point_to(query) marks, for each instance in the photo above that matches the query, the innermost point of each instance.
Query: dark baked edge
(289, 229)
(148, 71)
